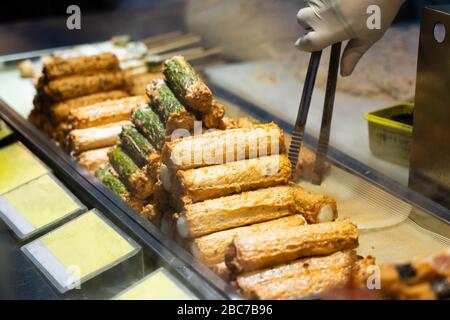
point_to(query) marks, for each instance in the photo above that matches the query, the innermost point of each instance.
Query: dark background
(33, 25)
(24, 10)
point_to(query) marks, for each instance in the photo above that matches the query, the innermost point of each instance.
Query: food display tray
(388, 214)
(159, 250)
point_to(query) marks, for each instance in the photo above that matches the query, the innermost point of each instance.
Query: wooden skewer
(189, 54)
(203, 66)
(204, 53)
(168, 40)
(185, 53)
(193, 53)
(161, 37)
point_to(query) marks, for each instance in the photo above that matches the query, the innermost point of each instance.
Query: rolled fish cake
(186, 84)
(105, 112)
(85, 64)
(60, 111)
(80, 140)
(210, 249)
(70, 87)
(222, 180)
(238, 210)
(223, 146)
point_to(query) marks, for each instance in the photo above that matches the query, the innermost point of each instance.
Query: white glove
(332, 21)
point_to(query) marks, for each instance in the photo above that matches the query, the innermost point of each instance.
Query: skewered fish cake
(92, 160)
(304, 277)
(105, 112)
(80, 140)
(149, 124)
(220, 147)
(238, 210)
(210, 249)
(136, 179)
(172, 113)
(70, 87)
(60, 111)
(187, 85)
(136, 145)
(58, 67)
(222, 180)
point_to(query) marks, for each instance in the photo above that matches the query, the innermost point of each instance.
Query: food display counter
(102, 197)
(45, 221)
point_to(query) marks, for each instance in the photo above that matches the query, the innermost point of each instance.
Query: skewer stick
(175, 38)
(162, 45)
(158, 59)
(184, 52)
(193, 53)
(203, 66)
(189, 54)
(204, 54)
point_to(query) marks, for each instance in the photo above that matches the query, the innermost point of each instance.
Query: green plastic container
(390, 139)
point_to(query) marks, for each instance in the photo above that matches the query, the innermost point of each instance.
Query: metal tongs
(300, 124)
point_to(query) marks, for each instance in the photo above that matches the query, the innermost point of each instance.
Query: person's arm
(362, 22)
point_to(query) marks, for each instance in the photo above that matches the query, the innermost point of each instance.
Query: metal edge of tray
(343, 160)
(199, 277)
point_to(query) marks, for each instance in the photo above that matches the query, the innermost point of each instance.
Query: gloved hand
(332, 21)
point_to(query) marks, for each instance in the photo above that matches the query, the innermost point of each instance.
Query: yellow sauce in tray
(87, 244)
(42, 201)
(157, 286)
(17, 166)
